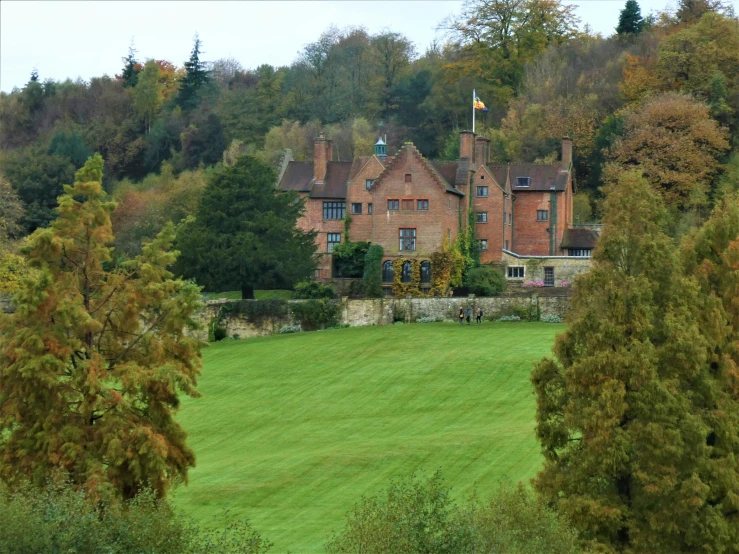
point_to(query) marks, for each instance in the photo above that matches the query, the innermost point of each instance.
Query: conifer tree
(196, 75)
(131, 68)
(630, 21)
(93, 360)
(621, 412)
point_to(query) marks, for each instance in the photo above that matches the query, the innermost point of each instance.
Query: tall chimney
(320, 157)
(482, 150)
(566, 152)
(467, 145)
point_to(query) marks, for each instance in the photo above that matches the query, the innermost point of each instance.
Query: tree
(391, 52)
(245, 234)
(690, 11)
(11, 212)
(93, 360)
(621, 410)
(131, 68)
(71, 146)
(630, 21)
(196, 76)
(38, 179)
(485, 281)
(147, 96)
(203, 142)
(672, 139)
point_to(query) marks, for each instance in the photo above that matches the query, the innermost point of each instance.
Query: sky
(88, 38)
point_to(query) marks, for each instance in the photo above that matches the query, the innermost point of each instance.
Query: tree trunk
(247, 292)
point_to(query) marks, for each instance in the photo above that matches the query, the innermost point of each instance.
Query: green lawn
(292, 430)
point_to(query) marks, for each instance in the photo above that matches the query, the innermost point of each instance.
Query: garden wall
(385, 311)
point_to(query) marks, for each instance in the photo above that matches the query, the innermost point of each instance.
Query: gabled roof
(544, 177)
(579, 238)
(431, 166)
(299, 177)
(454, 173)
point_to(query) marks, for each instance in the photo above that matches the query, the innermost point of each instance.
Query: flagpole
(473, 110)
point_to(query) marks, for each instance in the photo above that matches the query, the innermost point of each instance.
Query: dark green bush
(418, 515)
(313, 289)
(372, 279)
(316, 314)
(219, 333)
(256, 311)
(485, 281)
(348, 259)
(59, 519)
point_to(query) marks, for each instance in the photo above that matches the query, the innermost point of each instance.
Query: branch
(136, 341)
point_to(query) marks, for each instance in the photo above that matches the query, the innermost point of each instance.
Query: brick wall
(494, 204)
(441, 219)
(531, 237)
(361, 227)
(313, 220)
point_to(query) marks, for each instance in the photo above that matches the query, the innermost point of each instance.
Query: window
(506, 245)
(425, 272)
(369, 208)
(388, 272)
(516, 272)
(423, 205)
(356, 207)
(393, 205)
(483, 244)
(407, 239)
(548, 276)
(583, 252)
(510, 218)
(482, 192)
(481, 217)
(333, 240)
(482, 176)
(407, 274)
(408, 177)
(368, 183)
(542, 215)
(334, 210)
(406, 205)
(523, 181)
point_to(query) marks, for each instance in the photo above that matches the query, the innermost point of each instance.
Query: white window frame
(515, 269)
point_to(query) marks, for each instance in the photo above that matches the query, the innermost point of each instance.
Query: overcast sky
(86, 39)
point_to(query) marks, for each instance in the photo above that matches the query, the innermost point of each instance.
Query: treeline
(539, 71)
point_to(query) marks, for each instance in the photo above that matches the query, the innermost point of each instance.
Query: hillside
(292, 430)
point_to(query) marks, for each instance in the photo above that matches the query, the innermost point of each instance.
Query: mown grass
(292, 430)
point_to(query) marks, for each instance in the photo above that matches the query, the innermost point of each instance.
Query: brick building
(409, 205)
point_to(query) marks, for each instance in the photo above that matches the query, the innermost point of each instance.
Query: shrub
(219, 333)
(418, 515)
(372, 279)
(313, 289)
(316, 314)
(348, 258)
(551, 319)
(59, 519)
(426, 319)
(485, 281)
(290, 329)
(256, 311)
(509, 318)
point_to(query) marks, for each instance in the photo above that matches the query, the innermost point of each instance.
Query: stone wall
(565, 267)
(385, 311)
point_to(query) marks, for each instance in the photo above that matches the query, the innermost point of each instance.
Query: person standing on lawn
(469, 315)
(479, 316)
(461, 315)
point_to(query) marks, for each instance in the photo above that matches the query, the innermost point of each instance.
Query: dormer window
(523, 181)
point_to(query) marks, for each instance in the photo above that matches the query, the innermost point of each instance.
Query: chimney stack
(321, 155)
(467, 145)
(566, 152)
(482, 150)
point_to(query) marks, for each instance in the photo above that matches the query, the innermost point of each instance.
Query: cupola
(381, 149)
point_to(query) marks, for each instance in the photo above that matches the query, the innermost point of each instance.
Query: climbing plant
(372, 280)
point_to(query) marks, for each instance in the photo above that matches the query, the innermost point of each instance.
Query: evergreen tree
(196, 75)
(245, 235)
(92, 361)
(630, 21)
(621, 414)
(131, 68)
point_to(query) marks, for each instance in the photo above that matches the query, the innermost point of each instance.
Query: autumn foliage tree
(94, 359)
(637, 430)
(672, 139)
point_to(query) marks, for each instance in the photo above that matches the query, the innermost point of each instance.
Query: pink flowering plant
(533, 284)
(565, 284)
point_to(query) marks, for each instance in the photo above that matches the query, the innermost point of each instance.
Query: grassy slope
(291, 430)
